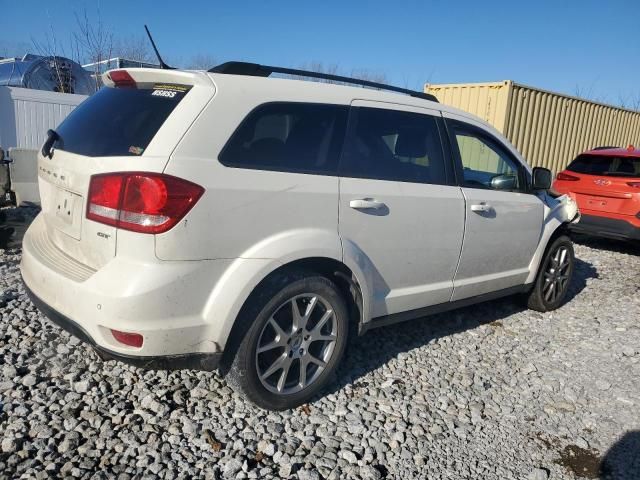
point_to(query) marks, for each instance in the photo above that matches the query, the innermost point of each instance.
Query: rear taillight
(634, 184)
(140, 202)
(566, 177)
(121, 78)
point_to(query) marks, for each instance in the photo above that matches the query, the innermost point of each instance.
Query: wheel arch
(550, 233)
(335, 270)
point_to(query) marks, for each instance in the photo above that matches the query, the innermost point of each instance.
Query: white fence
(26, 115)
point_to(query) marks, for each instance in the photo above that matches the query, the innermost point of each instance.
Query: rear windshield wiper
(52, 137)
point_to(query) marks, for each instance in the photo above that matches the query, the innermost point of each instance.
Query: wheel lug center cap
(296, 341)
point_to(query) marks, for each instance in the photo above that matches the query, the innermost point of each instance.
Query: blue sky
(567, 46)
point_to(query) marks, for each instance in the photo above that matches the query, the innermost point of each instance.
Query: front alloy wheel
(554, 277)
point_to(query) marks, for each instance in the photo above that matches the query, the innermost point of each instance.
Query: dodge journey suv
(226, 220)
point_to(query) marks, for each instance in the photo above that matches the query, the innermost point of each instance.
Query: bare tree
(334, 69)
(201, 61)
(13, 49)
(93, 41)
(588, 94)
(134, 47)
(90, 42)
(370, 76)
(629, 102)
(51, 47)
(319, 67)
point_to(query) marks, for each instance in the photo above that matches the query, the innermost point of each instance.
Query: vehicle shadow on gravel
(379, 346)
(14, 223)
(617, 246)
(582, 271)
(622, 460)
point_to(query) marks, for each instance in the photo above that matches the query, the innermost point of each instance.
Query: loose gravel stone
(538, 474)
(492, 391)
(81, 387)
(9, 445)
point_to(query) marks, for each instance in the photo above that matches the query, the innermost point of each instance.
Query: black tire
(538, 298)
(267, 301)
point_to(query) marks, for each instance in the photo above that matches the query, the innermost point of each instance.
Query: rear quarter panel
(244, 213)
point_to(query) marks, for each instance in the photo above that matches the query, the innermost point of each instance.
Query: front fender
(557, 212)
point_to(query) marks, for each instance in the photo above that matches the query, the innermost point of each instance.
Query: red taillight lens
(566, 177)
(121, 78)
(104, 198)
(634, 184)
(131, 339)
(140, 202)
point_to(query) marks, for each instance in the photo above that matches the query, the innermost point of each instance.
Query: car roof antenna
(163, 65)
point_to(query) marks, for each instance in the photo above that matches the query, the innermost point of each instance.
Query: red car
(605, 183)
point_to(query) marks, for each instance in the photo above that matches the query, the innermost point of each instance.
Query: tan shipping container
(549, 129)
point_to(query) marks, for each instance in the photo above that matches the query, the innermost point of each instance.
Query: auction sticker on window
(168, 90)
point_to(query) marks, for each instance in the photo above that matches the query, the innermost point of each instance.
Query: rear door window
(118, 121)
(394, 145)
(289, 137)
(606, 165)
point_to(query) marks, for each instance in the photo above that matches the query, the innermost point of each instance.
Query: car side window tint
(289, 137)
(393, 145)
(485, 163)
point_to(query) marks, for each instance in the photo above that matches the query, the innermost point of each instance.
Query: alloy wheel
(296, 343)
(556, 276)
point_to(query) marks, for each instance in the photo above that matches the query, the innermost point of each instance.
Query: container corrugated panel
(485, 100)
(549, 129)
(26, 115)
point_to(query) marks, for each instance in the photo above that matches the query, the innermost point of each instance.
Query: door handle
(481, 207)
(366, 204)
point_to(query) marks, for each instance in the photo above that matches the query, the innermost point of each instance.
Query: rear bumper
(606, 227)
(164, 302)
(196, 361)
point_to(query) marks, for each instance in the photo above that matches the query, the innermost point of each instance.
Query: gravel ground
(493, 392)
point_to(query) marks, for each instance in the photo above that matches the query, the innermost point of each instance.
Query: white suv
(227, 220)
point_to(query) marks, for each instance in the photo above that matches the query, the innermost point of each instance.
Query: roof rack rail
(257, 70)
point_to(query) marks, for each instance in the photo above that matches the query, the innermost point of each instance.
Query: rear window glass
(289, 137)
(606, 165)
(118, 121)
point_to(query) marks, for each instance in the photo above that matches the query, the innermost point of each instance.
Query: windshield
(118, 121)
(606, 165)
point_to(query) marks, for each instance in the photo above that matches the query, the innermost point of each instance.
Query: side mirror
(541, 178)
(504, 182)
